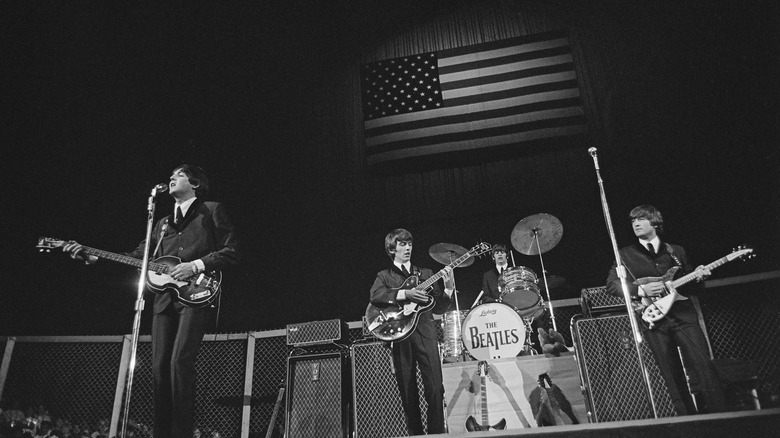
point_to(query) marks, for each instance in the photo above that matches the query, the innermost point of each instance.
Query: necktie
(650, 248)
(405, 271)
(179, 216)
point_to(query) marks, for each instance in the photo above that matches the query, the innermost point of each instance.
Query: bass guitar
(471, 422)
(397, 321)
(655, 309)
(197, 291)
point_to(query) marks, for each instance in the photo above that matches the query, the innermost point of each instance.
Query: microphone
(592, 152)
(160, 187)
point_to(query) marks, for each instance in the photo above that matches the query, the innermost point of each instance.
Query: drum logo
(492, 336)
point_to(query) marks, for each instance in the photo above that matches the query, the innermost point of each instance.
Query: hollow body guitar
(396, 321)
(197, 291)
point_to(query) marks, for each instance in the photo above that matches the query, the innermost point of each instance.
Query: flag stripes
(493, 94)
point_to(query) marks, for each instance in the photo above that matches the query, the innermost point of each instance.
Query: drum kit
(502, 329)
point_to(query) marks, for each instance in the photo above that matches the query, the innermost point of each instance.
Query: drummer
(492, 294)
(490, 290)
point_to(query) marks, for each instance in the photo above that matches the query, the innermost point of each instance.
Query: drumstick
(478, 297)
(511, 254)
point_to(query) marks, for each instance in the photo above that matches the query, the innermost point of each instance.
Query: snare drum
(519, 290)
(493, 331)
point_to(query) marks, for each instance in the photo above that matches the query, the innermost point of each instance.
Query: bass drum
(493, 331)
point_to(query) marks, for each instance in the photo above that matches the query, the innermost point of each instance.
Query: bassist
(420, 348)
(649, 256)
(202, 236)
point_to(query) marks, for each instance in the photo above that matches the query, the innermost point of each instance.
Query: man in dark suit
(202, 236)
(651, 257)
(490, 278)
(421, 347)
(540, 318)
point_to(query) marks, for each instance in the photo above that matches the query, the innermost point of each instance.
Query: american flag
(493, 94)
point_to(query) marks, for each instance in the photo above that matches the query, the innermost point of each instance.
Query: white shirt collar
(407, 264)
(500, 268)
(185, 206)
(656, 243)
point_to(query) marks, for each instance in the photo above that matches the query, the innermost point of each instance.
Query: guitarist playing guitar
(199, 235)
(651, 257)
(419, 348)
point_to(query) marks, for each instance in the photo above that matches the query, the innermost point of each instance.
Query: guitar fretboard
(435, 277)
(157, 267)
(685, 279)
(483, 391)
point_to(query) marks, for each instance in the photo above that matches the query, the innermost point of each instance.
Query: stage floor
(754, 424)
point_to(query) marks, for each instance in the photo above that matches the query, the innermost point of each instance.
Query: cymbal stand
(139, 307)
(529, 346)
(544, 276)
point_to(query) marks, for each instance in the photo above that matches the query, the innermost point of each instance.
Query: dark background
(101, 101)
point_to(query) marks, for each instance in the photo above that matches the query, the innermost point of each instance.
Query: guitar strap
(671, 253)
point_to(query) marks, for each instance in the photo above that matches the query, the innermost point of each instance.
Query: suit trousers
(176, 338)
(702, 379)
(419, 350)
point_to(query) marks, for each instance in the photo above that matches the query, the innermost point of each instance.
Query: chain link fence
(241, 377)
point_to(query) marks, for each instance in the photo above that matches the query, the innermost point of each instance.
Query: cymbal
(546, 226)
(445, 253)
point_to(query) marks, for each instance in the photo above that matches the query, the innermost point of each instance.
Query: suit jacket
(641, 263)
(206, 233)
(490, 286)
(384, 292)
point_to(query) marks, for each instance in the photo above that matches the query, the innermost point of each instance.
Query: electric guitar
(471, 422)
(197, 291)
(655, 309)
(397, 321)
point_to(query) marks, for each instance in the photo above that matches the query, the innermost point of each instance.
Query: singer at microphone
(201, 236)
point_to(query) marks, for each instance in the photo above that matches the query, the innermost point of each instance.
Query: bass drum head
(493, 331)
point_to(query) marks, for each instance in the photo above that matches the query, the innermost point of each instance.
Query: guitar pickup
(200, 295)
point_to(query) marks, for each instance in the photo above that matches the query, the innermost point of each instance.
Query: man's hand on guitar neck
(75, 249)
(701, 273)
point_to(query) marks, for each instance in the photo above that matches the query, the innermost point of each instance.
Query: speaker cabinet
(316, 403)
(378, 410)
(613, 382)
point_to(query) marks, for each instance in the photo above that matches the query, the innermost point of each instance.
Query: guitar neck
(685, 279)
(435, 277)
(483, 391)
(127, 260)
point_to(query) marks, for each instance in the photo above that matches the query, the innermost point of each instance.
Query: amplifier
(317, 333)
(596, 300)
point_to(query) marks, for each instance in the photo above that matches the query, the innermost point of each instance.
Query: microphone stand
(621, 272)
(139, 307)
